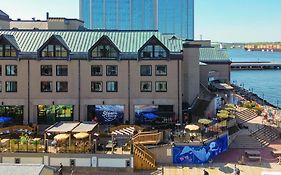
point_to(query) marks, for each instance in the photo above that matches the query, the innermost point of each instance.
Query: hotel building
(106, 76)
(166, 16)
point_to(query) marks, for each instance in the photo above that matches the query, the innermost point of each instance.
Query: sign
(110, 114)
(200, 154)
(145, 113)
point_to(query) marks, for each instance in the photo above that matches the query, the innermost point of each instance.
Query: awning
(85, 127)
(62, 127)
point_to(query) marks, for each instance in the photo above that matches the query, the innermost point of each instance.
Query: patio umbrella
(81, 135)
(222, 115)
(61, 137)
(204, 121)
(4, 120)
(192, 127)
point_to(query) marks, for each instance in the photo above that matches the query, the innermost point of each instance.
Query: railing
(148, 138)
(14, 128)
(137, 128)
(145, 154)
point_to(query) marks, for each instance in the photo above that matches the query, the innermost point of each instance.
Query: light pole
(277, 102)
(263, 99)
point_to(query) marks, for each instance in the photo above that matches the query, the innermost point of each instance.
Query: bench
(276, 153)
(255, 158)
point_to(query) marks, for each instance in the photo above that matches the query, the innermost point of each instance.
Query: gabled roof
(82, 41)
(11, 40)
(105, 38)
(152, 39)
(213, 55)
(57, 38)
(4, 16)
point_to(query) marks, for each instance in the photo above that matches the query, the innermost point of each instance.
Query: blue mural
(200, 154)
(110, 114)
(145, 113)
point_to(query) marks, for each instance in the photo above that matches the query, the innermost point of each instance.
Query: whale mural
(200, 154)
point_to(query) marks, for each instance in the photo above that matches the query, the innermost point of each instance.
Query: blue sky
(219, 20)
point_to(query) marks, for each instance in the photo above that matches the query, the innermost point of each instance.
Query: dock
(255, 65)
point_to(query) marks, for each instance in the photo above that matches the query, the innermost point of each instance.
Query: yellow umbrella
(230, 106)
(204, 121)
(224, 111)
(192, 127)
(81, 135)
(61, 137)
(222, 115)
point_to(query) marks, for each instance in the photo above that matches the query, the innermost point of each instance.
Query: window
(111, 86)
(17, 160)
(62, 86)
(96, 70)
(161, 70)
(54, 51)
(96, 86)
(161, 86)
(7, 50)
(0, 70)
(104, 51)
(61, 70)
(11, 70)
(11, 86)
(145, 86)
(153, 51)
(46, 86)
(46, 70)
(145, 70)
(111, 70)
(0, 86)
(50, 114)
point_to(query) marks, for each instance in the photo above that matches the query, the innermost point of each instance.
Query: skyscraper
(176, 16)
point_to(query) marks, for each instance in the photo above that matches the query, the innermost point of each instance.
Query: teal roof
(209, 55)
(82, 41)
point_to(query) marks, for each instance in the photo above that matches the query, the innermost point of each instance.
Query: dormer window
(153, 48)
(7, 50)
(54, 51)
(153, 51)
(104, 51)
(54, 47)
(104, 48)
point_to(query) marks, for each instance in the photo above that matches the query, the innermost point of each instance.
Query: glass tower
(167, 16)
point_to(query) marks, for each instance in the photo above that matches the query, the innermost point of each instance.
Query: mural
(109, 114)
(200, 154)
(145, 113)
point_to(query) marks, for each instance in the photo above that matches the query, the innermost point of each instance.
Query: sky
(218, 20)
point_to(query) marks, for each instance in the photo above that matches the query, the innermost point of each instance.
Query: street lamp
(263, 99)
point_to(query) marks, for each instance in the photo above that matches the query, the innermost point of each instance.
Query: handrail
(153, 137)
(145, 132)
(146, 153)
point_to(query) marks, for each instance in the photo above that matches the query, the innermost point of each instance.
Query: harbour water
(265, 83)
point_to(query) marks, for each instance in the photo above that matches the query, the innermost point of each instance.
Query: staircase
(266, 135)
(246, 115)
(143, 158)
(148, 138)
(245, 141)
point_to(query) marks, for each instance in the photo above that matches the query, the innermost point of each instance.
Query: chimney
(47, 15)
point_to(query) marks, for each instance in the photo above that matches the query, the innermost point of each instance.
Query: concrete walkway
(222, 169)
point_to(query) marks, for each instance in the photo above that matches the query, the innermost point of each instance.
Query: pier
(255, 65)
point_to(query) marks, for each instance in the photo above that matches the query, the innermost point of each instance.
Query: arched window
(54, 50)
(7, 50)
(104, 51)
